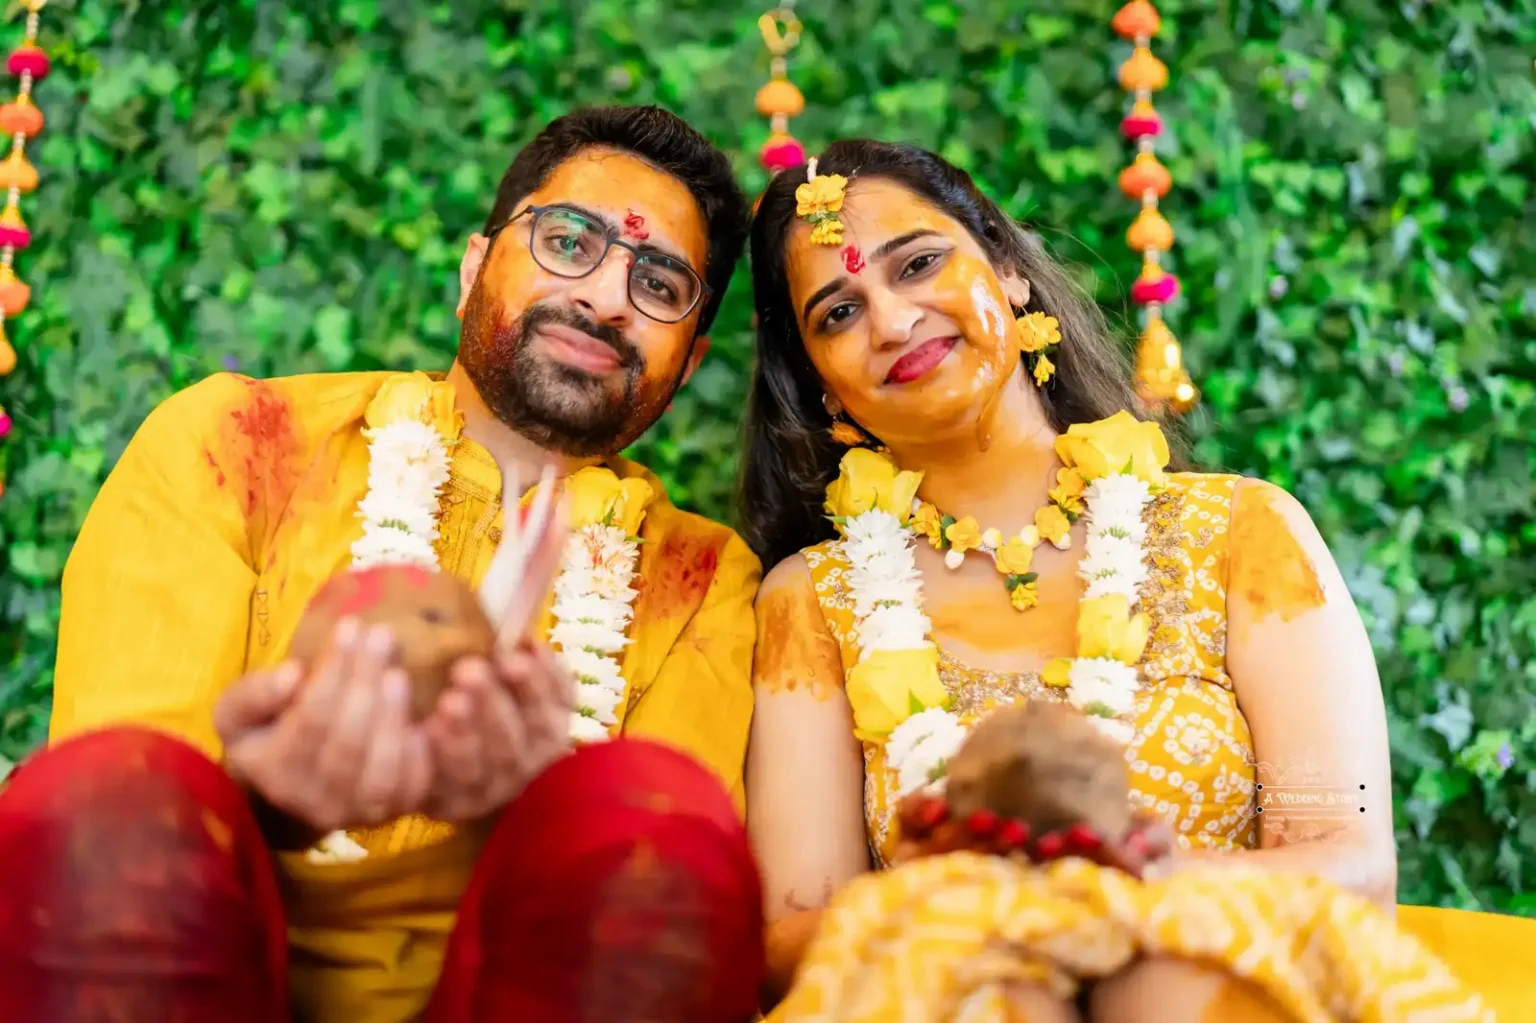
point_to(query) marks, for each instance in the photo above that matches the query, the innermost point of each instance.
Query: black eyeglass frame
(610, 236)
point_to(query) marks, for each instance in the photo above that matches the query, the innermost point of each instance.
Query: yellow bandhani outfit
(235, 501)
(1191, 761)
(938, 940)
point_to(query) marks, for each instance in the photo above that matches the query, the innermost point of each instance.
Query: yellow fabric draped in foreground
(937, 941)
(233, 503)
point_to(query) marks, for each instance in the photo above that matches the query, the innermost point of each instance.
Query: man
(586, 301)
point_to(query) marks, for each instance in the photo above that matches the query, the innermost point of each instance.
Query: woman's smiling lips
(921, 361)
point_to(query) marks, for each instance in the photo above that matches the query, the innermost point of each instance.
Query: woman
(900, 309)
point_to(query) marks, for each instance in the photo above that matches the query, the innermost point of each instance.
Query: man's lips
(579, 348)
(921, 360)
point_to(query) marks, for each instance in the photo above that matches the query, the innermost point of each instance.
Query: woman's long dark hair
(790, 455)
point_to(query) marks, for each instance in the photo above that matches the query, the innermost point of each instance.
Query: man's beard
(559, 407)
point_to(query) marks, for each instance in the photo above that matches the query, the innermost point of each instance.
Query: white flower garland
(407, 469)
(593, 609)
(1114, 561)
(886, 587)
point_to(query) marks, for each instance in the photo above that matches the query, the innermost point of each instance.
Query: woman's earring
(1039, 339)
(846, 434)
(843, 431)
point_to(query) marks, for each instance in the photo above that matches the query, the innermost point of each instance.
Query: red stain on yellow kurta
(256, 450)
(795, 652)
(263, 430)
(213, 464)
(685, 566)
(1269, 570)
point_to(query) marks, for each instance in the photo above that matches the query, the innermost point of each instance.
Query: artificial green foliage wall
(285, 188)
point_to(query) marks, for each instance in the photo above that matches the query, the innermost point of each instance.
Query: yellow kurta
(230, 507)
(1192, 762)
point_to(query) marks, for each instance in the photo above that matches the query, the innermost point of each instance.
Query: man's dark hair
(662, 140)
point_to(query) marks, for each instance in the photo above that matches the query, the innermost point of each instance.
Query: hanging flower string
(411, 429)
(1161, 379)
(21, 120)
(779, 99)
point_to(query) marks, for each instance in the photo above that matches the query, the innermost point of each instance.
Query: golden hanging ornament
(780, 99)
(1161, 379)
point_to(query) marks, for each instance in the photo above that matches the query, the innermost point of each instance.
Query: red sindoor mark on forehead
(634, 227)
(853, 259)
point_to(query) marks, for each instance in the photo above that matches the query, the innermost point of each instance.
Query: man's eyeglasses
(571, 244)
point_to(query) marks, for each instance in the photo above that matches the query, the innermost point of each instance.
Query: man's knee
(109, 759)
(623, 879)
(131, 830)
(136, 886)
(118, 774)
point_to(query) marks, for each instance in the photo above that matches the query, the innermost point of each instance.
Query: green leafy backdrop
(285, 188)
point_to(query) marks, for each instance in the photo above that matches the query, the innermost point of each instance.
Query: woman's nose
(892, 318)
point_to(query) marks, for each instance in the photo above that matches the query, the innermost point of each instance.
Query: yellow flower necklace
(1014, 555)
(894, 689)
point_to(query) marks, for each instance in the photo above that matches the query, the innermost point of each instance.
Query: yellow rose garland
(1112, 468)
(872, 503)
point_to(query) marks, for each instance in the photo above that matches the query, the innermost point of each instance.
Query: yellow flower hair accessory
(818, 202)
(1039, 338)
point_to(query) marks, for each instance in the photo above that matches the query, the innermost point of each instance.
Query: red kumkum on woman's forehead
(853, 259)
(634, 227)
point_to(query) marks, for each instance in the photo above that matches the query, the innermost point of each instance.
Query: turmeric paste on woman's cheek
(795, 653)
(1269, 569)
(959, 298)
(967, 289)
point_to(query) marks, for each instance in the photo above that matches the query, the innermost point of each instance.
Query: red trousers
(135, 887)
